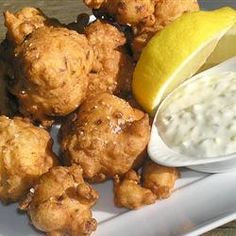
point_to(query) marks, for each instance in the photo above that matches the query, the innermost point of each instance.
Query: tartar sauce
(199, 118)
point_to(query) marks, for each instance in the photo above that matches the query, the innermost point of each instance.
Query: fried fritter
(130, 194)
(56, 68)
(112, 67)
(130, 12)
(24, 22)
(106, 136)
(95, 4)
(51, 72)
(59, 204)
(159, 179)
(146, 17)
(25, 154)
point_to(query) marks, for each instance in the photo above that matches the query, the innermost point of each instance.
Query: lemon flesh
(177, 52)
(225, 49)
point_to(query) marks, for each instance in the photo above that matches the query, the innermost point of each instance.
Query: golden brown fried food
(107, 137)
(95, 4)
(51, 65)
(159, 179)
(60, 203)
(24, 22)
(146, 17)
(112, 67)
(51, 72)
(130, 12)
(25, 154)
(130, 194)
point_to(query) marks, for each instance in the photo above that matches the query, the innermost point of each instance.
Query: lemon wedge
(179, 51)
(225, 49)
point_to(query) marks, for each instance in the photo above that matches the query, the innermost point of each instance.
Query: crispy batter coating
(59, 204)
(130, 12)
(146, 17)
(56, 68)
(51, 72)
(95, 3)
(113, 67)
(24, 22)
(159, 179)
(130, 194)
(106, 137)
(25, 154)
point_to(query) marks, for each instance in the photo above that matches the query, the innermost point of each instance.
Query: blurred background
(67, 10)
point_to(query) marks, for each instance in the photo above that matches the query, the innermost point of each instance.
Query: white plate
(200, 203)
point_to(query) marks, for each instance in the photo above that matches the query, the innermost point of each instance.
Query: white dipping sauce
(199, 118)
